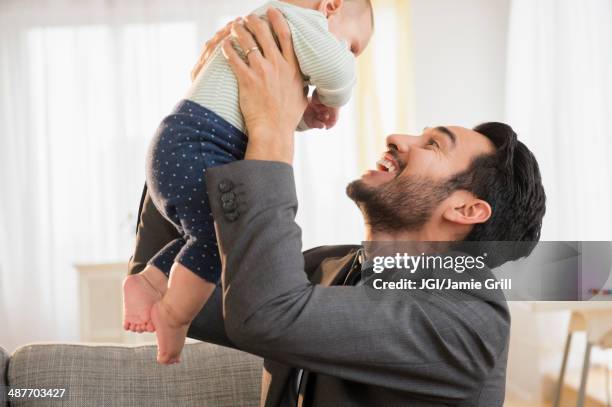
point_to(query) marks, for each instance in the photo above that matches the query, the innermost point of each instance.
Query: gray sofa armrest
(110, 375)
(4, 362)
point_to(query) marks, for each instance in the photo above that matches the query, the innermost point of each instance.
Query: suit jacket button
(228, 197)
(229, 206)
(226, 185)
(231, 216)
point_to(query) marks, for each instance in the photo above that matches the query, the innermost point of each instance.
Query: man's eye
(434, 143)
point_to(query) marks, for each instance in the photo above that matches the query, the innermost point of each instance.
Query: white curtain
(559, 99)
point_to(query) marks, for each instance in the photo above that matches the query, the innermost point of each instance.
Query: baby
(207, 129)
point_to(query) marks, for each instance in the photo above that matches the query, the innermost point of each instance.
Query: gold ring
(255, 48)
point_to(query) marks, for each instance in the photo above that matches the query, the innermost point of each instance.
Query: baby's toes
(150, 327)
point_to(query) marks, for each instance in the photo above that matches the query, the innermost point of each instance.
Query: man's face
(409, 183)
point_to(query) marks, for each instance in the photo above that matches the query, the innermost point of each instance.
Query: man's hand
(319, 116)
(271, 95)
(210, 47)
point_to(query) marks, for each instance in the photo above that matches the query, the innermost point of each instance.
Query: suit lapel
(332, 271)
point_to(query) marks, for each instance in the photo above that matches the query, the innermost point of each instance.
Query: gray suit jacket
(405, 348)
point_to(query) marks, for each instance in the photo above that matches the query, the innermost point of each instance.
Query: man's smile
(390, 163)
(388, 167)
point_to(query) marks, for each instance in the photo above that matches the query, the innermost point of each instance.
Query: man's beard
(403, 204)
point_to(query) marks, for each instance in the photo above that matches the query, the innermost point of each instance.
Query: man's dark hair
(509, 180)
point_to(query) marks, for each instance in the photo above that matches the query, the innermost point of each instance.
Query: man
(326, 340)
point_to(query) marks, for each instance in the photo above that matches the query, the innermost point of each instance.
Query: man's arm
(153, 233)
(417, 342)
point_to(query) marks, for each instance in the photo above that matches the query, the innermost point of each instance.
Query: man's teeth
(388, 165)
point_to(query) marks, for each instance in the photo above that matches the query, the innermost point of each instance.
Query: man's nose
(401, 142)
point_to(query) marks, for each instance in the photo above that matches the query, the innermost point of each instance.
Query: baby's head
(349, 20)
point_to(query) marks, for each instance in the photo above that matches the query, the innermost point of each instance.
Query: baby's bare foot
(139, 295)
(171, 332)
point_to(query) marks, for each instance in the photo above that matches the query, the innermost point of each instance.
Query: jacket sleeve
(152, 234)
(414, 342)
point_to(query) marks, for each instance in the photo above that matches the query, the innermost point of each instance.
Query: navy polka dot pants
(187, 142)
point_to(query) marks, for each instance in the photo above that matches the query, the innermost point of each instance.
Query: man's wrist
(270, 145)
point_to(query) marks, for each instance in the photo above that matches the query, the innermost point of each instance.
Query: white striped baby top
(326, 63)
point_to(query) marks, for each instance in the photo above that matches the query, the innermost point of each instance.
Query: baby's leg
(194, 140)
(186, 295)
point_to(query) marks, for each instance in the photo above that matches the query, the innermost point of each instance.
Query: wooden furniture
(592, 317)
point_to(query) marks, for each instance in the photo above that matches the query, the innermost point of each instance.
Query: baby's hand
(319, 116)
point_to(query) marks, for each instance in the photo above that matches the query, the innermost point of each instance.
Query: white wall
(459, 61)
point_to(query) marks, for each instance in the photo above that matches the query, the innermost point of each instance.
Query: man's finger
(247, 43)
(281, 29)
(263, 35)
(240, 68)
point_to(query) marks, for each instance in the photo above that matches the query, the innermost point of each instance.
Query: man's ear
(330, 7)
(466, 209)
